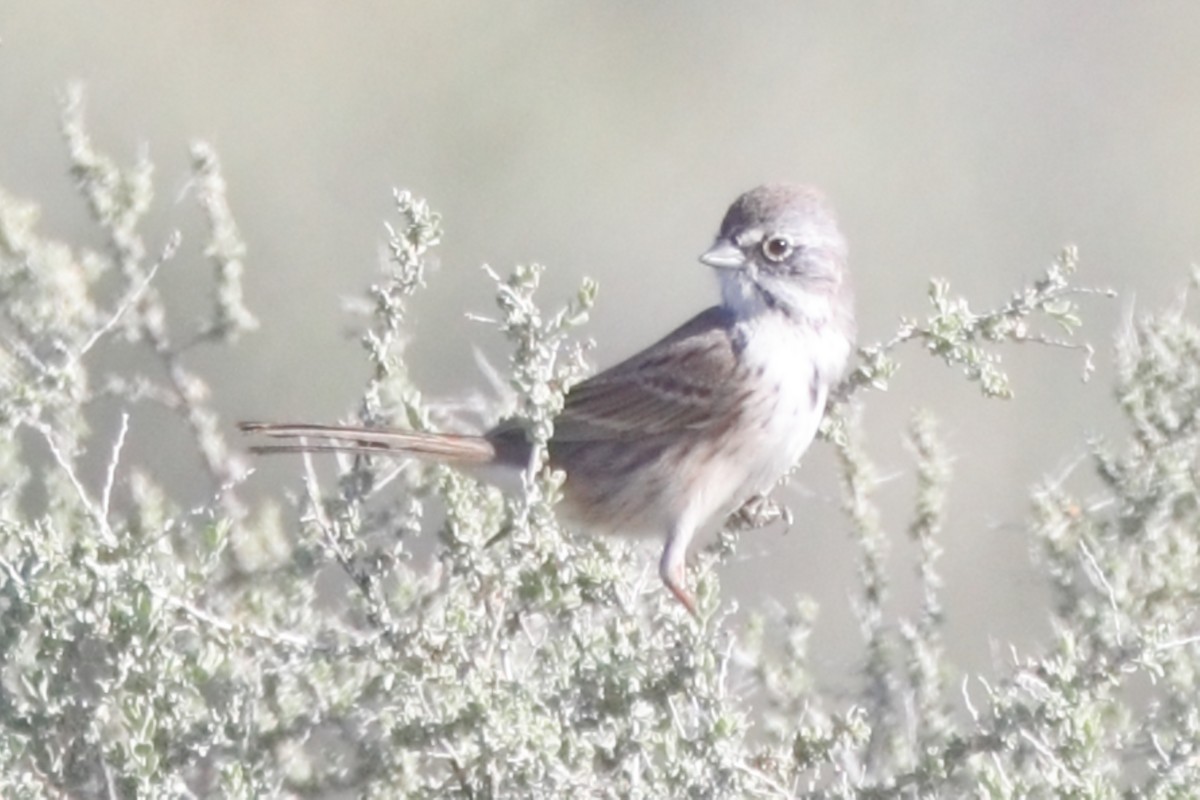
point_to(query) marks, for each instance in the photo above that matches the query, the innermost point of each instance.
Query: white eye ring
(776, 248)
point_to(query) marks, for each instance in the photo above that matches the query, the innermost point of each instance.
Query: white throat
(741, 295)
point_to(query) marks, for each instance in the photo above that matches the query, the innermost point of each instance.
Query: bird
(712, 414)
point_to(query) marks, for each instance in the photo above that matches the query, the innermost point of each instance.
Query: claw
(683, 596)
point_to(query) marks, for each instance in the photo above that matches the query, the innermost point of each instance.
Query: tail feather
(448, 447)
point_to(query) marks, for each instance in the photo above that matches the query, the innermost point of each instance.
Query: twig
(131, 297)
(68, 470)
(113, 461)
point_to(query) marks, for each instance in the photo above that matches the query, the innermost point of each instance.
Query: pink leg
(672, 566)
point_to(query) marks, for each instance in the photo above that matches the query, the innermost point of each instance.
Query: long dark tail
(369, 441)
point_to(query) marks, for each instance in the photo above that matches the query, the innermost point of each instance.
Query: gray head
(780, 247)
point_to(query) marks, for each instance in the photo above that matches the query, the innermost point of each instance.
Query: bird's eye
(776, 248)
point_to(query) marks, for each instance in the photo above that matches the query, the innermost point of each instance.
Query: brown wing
(682, 381)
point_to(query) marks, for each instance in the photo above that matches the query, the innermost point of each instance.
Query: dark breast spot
(766, 420)
(737, 340)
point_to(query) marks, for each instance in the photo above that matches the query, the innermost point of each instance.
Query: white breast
(790, 368)
(791, 394)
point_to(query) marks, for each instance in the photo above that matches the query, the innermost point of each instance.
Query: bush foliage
(153, 650)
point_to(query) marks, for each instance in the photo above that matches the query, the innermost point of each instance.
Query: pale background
(968, 141)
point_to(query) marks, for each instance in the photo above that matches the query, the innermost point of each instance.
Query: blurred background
(967, 141)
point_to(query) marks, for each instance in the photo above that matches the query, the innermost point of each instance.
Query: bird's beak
(724, 254)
